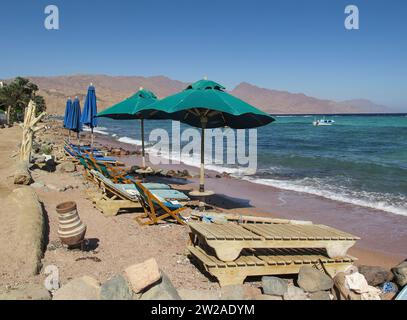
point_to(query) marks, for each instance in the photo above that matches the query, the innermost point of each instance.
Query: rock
(388, 295)
(164, 290)
(22, 175)
(268, 297)
(116, 288)
(38, 185)
(189, 294)
(295, 293)
(312, 280)
(400, 274)
(218, 176)
(31, 292)
(375, 275)
(66, 167)
(84, 288)
(143, 274)
(320, 295)
(274, 285)
(53, 187)
(342, 292)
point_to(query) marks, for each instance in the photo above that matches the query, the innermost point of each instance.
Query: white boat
(323, 122)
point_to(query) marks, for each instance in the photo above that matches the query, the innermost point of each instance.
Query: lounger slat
(222, 231)
(201, 228)
(256, 228)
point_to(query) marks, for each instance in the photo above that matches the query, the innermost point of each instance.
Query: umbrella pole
(202, 171)
(91, 137)
(142, 144)
(69, 136)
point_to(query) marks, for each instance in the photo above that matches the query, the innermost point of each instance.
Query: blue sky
(293, 45)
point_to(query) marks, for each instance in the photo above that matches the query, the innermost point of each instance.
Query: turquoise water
(360, 159)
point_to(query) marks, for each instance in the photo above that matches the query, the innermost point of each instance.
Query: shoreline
(383, 234)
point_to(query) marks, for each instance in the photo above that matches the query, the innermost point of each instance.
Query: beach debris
(274, 285)
(116, 288)
(357, 283)
(66, 166)
(313, 280)
(71, 229)
(84, 288)
(163, 290)
(189, 294)
(400, 274)
(295, 293)
(320, 295)
(95, 259)
(375, 275)
(22, 175)
(143, 274)
(389, 287)
(29, 292)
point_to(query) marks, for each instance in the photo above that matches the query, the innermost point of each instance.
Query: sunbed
(229, 239)
(74, 152)
(158, 206)
(117, 196)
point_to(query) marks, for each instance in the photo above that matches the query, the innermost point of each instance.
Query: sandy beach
(117, 242)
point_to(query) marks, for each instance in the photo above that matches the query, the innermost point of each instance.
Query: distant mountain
(281, 102)
(112, 89)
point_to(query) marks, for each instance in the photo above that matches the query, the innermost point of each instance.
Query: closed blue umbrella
(74, 120)
(67, 115)
(90, 110)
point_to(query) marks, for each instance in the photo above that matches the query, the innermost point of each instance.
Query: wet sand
(383, 235)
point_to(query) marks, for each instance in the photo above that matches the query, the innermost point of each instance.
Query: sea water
(360, 159)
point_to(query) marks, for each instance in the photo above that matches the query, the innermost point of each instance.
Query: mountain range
(112, 89)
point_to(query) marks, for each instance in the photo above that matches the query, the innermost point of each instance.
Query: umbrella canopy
(67, 111)
(205, 104)
(131, 108)
(206, 100)
(74, 120)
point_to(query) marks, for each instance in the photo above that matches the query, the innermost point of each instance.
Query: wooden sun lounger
(155, 210)
(229, 239)
(260, 262)
(116, 197)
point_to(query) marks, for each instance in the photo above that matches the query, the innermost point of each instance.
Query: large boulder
(295, 293)
(66, 166)
(117, 288)
(400, 274)
(375, 275)
(30, 292)
(312, 280)
(274, 285)
(164, 290)
(239, 292)
(143, 275)
(84, 288)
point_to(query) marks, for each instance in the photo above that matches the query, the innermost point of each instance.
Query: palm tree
(16, 95)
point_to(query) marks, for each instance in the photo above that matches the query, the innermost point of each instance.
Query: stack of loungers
(232, 251)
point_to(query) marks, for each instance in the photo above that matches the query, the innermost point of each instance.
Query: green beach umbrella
(205, 104)
(130, 109)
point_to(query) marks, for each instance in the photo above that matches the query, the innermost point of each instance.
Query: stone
(312, 280)
(375, 275)
(189, 294)
(30, 292)
(66, 167)
(400, 274)
(295, 293)
(164, 290)
(342, 292)
(38, 185)
(84, 288)
(274, 285)
(116, 288)
(143, 274)
(268, 297)
(320, 295)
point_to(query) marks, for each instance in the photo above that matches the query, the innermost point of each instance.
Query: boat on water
(323, 122)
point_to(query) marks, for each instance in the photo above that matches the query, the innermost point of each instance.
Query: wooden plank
(206, 232)
(257, 229)
(202, 257)
(222, 230)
